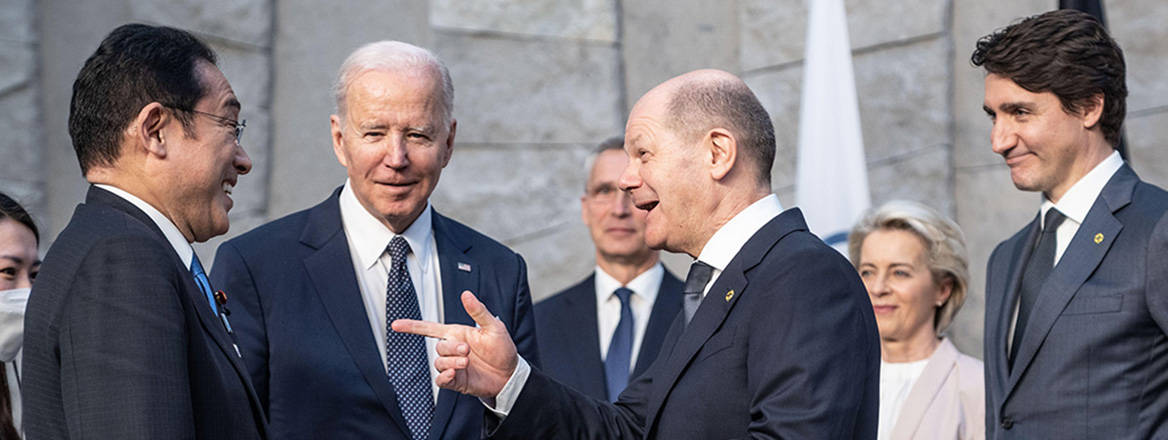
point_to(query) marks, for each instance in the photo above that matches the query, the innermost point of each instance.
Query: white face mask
(12, 304)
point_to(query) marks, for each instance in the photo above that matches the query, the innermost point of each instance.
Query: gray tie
(695, 282)
(1037, 270)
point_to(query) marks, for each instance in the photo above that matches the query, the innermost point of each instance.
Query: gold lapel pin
(1099, 238)
(729, 295)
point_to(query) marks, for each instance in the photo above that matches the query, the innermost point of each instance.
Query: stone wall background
(539, 82)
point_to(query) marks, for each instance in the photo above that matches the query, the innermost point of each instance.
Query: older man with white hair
(316, 289)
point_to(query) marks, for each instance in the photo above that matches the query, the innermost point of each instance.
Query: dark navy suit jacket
(784, 345)
(305, 335)
(1094, 359)
(568, 335)
(120, 343)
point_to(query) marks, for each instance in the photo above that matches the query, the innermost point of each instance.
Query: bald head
(699, 101)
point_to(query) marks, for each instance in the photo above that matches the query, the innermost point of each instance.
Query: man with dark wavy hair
(1077, 301)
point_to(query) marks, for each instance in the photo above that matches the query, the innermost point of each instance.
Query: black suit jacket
(1094, 359)
(121, 344)
(784, 345)
(305, 335)
(568, 335)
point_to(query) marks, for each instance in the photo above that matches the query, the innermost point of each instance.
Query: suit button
(1007, 423)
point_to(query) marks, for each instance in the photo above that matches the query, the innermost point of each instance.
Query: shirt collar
(729, 239)
(645, 284)
(374, 236)
(169, 230)
(1077, 201)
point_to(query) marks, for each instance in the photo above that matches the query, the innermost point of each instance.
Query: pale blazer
(947, 401)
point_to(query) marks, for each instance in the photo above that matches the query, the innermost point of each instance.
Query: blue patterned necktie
(620, 349)
(405, 354)
(203, 283)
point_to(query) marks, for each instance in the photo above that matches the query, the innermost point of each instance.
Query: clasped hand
(471, 360)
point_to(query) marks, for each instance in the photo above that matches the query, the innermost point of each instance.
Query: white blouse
(896, 380)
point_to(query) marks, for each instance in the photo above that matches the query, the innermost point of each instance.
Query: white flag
(832, 183)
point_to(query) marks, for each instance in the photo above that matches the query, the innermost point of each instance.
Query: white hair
(391, 56)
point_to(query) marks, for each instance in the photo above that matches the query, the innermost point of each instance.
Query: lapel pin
(1098, 238)
(729, 295)
(464, 267)
(220, 297)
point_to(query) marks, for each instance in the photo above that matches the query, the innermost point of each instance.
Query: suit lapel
(665, 308)
(1022, 246)
(210, 323)
(459, 272)
(1079, 261)
(330, 268)
(717, 305)
(925, 390)
(580, 334)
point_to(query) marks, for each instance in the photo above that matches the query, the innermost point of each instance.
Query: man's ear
(449, 144)
(723, 152)
(1092, 111)
(147, 130)
(337, 127)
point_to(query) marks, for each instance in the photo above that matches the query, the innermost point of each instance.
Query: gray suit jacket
(1094, 360)
(119, 342)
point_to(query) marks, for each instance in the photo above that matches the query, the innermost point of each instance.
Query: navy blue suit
(569, 339)
(120, 343)
(784, 345)
(1093, 361)
(305, 335)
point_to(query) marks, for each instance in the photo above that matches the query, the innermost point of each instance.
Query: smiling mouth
(227, 187)
(647, 206)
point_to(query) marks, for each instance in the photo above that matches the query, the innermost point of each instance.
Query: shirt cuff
(506, 398)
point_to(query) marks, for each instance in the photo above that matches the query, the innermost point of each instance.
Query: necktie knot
(623, 294)
(698, 276)
(197, 267)
(1053, 220)
(398, 249)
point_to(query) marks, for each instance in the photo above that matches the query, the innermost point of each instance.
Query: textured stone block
(245, 21)
(17, 64)
(924, 176)
(773, 34)
(522, 91)
(21, 148)
(304, 66)
(251, 191)
(587, 19)
(903, 95)
(1138, 27)
(557, 260)
(250, 73)
(513, 193)
(16, 21)
(662, 39)
(989, 210)
(972, 20)
(1147, 139)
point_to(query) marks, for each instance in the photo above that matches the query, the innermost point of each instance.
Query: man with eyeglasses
(607, 329)
(125, 338)
(317, 288)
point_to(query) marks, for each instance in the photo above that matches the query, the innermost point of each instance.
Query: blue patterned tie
(620, 349)
(203, 283)
(405, 354)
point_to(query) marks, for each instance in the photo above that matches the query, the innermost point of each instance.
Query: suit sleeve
(124, 345)
(233, 276)
(523, 327)
(1156, 273)
(813, 357)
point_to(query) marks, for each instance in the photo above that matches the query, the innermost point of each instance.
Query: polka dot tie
(405, 354)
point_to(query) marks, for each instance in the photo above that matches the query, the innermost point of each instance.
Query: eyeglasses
(238, 126)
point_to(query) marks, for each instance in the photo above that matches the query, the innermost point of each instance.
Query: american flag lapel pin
(465, 267)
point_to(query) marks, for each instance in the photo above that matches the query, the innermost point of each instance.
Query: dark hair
(701, 105)
(134, 65)
(1065, 52)
(9, 208)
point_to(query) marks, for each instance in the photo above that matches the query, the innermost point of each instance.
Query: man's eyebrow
(233, 103)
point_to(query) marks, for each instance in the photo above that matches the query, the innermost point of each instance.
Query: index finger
(422, 328)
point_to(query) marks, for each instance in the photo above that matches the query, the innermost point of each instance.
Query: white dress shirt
(608, 306)
(896, 381)
(368, 239)
(718, 251)
(177, 241)
(1075, 204)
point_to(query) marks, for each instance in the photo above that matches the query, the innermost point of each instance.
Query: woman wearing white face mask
(18, 268)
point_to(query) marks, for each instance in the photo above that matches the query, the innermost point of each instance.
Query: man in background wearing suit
(1077, 301)
(124, 337)
(600, 333)
(777, 338)
(318, 287)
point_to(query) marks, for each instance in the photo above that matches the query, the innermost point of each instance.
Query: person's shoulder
(560, 300)
(465, 235)
(286, 229)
